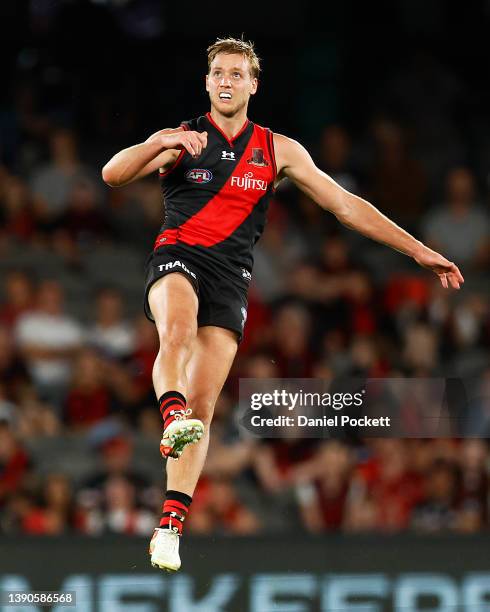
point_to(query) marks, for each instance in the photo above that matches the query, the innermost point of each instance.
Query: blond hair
(235, 45)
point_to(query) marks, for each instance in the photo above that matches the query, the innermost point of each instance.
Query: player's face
(230, 83)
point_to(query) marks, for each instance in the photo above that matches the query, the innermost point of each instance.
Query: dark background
(322, 63)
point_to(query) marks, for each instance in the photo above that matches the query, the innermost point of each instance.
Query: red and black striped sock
(172, 403)
(175, 509)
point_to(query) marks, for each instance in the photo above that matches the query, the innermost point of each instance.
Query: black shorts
(221, 287)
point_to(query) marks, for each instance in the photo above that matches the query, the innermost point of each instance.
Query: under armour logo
(226, 155)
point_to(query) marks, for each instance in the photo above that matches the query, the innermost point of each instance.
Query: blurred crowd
(79, 423)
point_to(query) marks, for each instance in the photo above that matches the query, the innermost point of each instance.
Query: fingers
(194, 142)
(203, 136)
(453, 281)
(454, 278)
(457, 273)
(446, 270)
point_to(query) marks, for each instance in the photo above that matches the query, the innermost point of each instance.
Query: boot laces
(183, 414)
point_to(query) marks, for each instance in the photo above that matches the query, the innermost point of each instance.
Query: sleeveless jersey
(218, 202)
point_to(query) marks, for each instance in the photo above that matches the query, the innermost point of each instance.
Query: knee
(176, 336)
(202, 407)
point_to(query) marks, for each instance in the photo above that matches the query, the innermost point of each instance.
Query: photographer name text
(283, 400)
(338, 420)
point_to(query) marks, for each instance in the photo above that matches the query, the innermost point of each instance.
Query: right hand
(447, 271)
(192, 142)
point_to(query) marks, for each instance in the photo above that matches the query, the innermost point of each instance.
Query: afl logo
(198, 175)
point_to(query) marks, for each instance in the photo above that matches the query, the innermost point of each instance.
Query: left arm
(294, 162)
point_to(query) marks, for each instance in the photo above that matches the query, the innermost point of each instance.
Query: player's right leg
(174, 305)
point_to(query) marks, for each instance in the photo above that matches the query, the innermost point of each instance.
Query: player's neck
(230, 126)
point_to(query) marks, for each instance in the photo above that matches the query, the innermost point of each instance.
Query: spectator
(406, 298)
(119, 512)
(8, 410)
(340, 289)
(257, 329)
(398, 181)
(469, 322)
(427, 94)
(14, 462)
(276, 462)
(52, 183)
(365, 360)
(388, 484)
(89, 399)
(13, 370)
(18, 297)
(141, 361)
(437, 511)
(135, 213)
(291, 335)
(323, 485)
(335, 157)
(48, 339)
(420, 353)
(83, 217)
(473, 493)
(279, 248)
(111, 333)
(360, 303)
(218, 509)
(36, 419)
(57, 513)
(227, 455)
(116, 456)
(460, 228)
(16, 219)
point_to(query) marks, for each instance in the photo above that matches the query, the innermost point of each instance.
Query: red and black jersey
(218, 202)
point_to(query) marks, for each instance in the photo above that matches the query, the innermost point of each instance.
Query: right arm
(159, 151)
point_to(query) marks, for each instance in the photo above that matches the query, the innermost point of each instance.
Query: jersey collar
(230, 141)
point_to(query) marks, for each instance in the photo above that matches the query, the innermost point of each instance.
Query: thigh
(173, 300)
(212, 357)
(173, 264)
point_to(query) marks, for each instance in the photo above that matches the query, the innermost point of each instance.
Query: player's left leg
(213, 353)
(207, 371)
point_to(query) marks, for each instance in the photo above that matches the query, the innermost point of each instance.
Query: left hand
(446, 270)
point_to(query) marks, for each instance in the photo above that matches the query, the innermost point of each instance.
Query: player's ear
(255, 84)
(207, 82)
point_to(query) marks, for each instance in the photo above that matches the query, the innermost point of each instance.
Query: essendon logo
(198, 175)
(257, 158)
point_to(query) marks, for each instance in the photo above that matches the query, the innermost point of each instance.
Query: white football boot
(164, 550)
(181, 432)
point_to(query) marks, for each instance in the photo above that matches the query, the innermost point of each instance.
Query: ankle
(174, 511)
(172, 406)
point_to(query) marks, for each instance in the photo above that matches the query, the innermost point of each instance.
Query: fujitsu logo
(247, 182)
